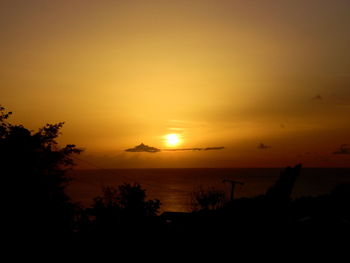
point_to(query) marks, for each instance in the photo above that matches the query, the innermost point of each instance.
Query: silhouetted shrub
(207, 199)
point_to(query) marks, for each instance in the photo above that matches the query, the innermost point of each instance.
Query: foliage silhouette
(128, 198)
(207, 199)
(34, 169)
(123, 209)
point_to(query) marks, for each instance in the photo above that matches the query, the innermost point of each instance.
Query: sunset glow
(172, 140)
(237, 74)
(126, 122)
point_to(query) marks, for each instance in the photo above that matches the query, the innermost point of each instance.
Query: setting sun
(172, 140)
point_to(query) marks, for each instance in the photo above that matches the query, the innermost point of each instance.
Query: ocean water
(173, 187)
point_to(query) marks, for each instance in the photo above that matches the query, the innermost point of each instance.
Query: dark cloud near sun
(143, 148)
(214, 148)
(343, 149)
(195, 149)
(263, 146)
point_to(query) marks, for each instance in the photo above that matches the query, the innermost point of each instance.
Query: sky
(267, 80)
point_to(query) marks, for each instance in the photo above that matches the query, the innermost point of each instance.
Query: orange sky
(218, 73)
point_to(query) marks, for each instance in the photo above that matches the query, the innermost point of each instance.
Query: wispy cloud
(343, 149)
(263, 146)
(143, 148)
(214, 148)
(195, 149)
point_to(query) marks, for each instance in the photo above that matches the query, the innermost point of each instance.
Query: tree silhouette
(34, 167)
(129, 199)
(123, 209)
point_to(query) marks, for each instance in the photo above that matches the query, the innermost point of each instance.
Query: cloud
(195, 149)
(184, 149)
(214, 148)
(317, 97)
(262, 146)
(143, 148)
(343, 149)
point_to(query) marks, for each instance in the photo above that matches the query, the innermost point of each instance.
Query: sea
(175, 187)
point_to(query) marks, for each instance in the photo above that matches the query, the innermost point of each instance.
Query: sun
(172, 140)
